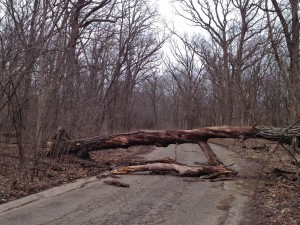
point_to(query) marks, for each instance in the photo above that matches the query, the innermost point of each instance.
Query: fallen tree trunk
(163, 138)
(181, 170)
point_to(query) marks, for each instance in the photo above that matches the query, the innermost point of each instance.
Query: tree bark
(163, 138)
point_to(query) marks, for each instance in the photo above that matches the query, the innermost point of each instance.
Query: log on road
(163, 138)
(181, 170)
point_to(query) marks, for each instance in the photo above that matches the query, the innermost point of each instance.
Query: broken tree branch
(181, 170)
(210, 155)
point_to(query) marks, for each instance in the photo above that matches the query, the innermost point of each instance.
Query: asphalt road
(150, 199)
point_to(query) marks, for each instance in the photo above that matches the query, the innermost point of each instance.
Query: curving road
(150, 199)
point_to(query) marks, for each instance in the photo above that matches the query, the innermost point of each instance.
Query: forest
(78, 76)
(100, 67)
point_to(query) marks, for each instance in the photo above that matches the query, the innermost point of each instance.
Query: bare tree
(187, 71)
(284, 26)
(19, 60)
(82, 15)
(137, 47)
(154, 93)
(230, 52)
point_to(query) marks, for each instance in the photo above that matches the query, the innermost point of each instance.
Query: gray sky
(167, 11)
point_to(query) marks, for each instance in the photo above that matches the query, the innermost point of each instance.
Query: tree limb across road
(163, 138)
(181, 170)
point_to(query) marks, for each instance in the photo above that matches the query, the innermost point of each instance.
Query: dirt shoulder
(44, 173)
(277, 190)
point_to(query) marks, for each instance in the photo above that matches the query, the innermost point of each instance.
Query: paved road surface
(150, 199)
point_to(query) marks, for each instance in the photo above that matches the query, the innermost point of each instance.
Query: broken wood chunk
(114, 176)
(116, 183)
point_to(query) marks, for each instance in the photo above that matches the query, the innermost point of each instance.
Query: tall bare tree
(232, 47)
(284, 27)
(187, 71)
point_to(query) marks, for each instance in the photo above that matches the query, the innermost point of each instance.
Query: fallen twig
(116, 183)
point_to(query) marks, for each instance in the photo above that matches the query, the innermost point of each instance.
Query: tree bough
(163, 138)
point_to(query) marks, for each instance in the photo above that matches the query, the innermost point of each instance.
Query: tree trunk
(163, 138)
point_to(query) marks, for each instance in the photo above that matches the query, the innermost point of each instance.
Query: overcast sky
(167, 11)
